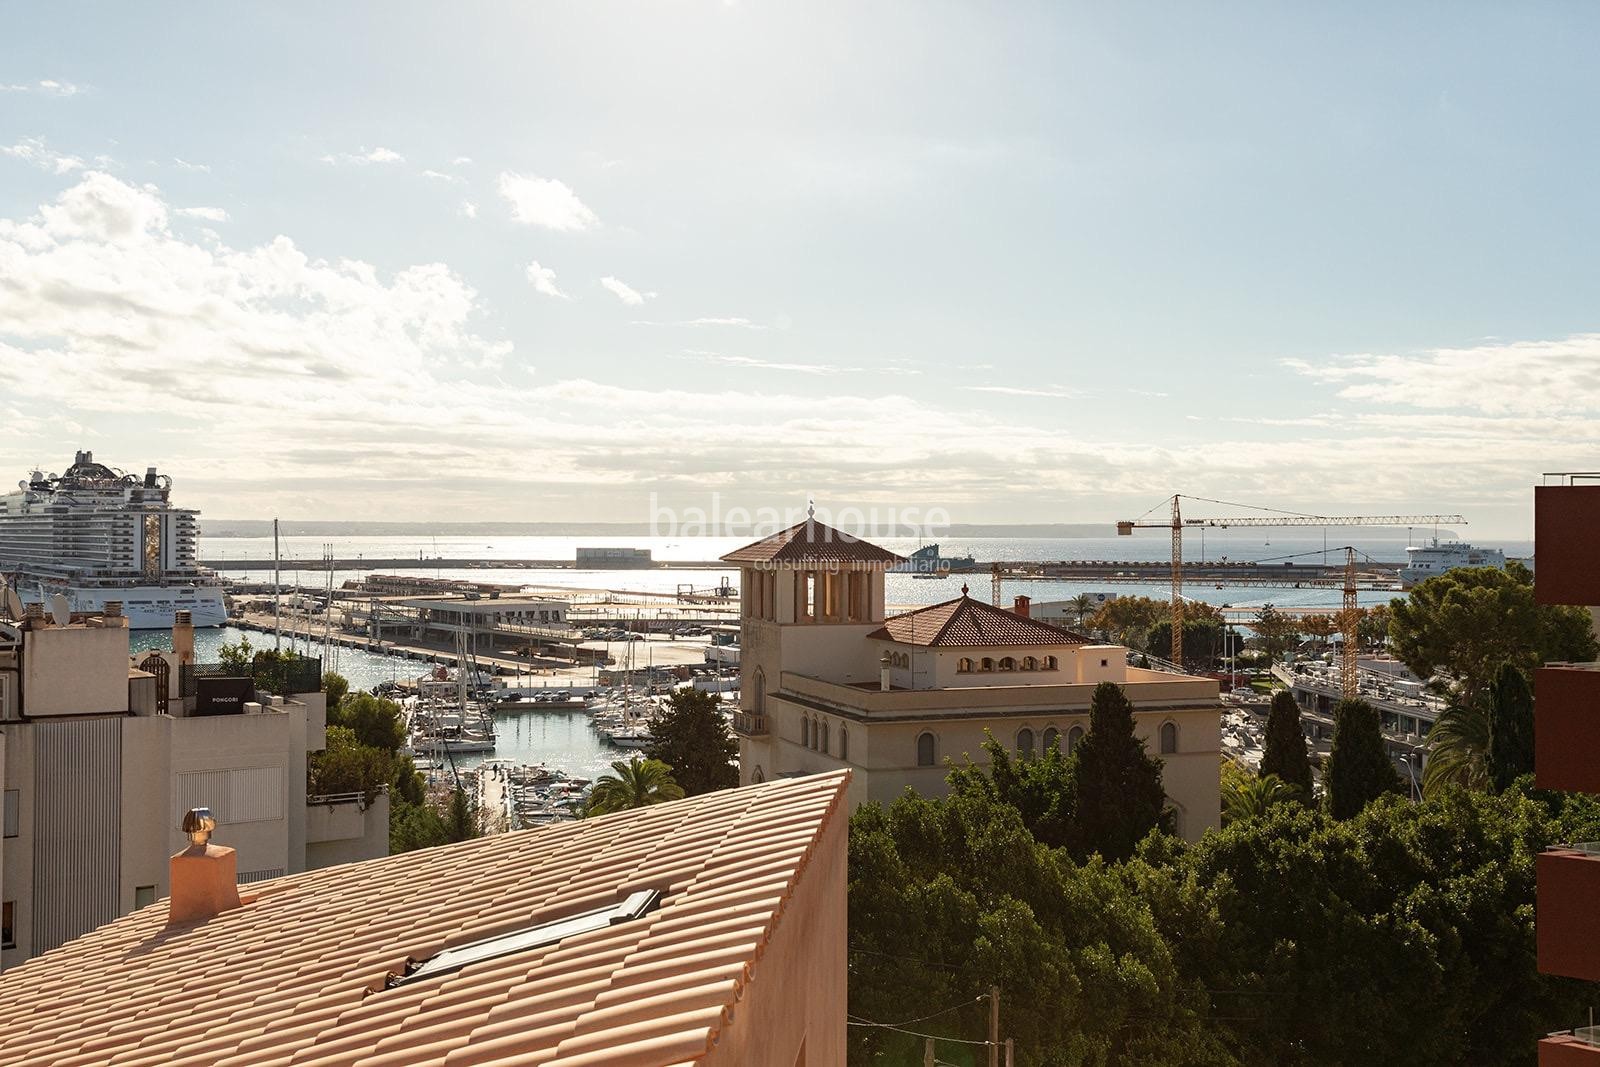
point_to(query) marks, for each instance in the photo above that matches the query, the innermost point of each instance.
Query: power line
(924, 1018)
(850, 1021)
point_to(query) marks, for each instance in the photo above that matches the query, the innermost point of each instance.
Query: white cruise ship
(1436, 557)
(96, 534)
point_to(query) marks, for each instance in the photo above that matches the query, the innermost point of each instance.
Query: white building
(96, 776)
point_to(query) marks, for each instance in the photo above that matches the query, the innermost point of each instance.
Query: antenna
(60, 609)
(12, 603)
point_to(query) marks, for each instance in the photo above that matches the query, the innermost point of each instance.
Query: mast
(277, 588)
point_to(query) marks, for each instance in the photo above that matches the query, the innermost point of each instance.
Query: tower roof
(812, 542)
(968, 623)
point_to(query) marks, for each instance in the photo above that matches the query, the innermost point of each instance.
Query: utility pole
(927, 1053)
(994, 1026)
(1010, 1052)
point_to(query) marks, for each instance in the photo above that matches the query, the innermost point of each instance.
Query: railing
(280, 674)
(749, 723)
(319, 799)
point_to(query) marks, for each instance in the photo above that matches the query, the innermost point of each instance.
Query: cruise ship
(96, 534)
(1436, 557)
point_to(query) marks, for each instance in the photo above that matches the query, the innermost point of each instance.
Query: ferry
(1436, 557)
(96, 534)
(927, 562)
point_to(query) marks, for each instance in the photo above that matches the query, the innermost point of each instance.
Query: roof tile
(813, 542)
(968, 623)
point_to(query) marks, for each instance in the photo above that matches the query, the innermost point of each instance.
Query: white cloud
(440, 176)
(468, 209)
(768, 364)
(624, 292)
(1059, 392)
(1497, 378)
(729, 321)
(32, 150)
(545, 202)
(366, 157)
(183, 164)
(47, 87)
(544, 281)
(210, 214)
(461, 161)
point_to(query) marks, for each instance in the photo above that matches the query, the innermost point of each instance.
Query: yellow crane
(1177, 524)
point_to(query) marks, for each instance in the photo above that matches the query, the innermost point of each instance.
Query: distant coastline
(215, 528)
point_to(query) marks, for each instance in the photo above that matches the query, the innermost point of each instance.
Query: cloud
(742, 323)
(767, 364)
(1058, 392)
(544, 281)
(365, 157)
(624, 292)
(441, 176)
(47, 87)
(545, 202)
(183, 164)
(32, 150)
(210, 214)
(461, 161)
(468, 209)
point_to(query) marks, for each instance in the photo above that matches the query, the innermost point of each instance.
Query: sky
(1020, 262)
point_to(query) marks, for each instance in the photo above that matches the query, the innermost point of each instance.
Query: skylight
(454, 959)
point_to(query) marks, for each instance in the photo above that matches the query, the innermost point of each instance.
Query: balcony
(1564, 520)
(749, 724)
(1580, 1048)
(1566, 921)
(1566, 736)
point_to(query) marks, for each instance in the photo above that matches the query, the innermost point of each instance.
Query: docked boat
(927, 562)
(1436, 557)
(96, 534)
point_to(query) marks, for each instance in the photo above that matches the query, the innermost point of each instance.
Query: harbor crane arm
(1177, 524)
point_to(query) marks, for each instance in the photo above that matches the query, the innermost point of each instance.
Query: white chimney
(883, 672)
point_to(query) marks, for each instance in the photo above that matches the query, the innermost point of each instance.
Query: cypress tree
(1358, 769)
(1286, 745)
(1117, 784)
(1510, 726)
(691, 736)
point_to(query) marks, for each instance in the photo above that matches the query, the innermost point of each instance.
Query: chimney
(183, 637)
(883, 672)
(34, 616)
(111, 614)
(204, 877)
(1020, 606)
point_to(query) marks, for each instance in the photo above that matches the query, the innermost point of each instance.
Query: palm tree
(1083, 605)
(1458, 748)
(1248, 796)
(638, 783)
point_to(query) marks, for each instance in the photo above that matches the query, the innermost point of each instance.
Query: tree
(1285, 754)
(1276, 632)
(1117, 793)
(1358, 769)
(691, 736)
(334, 688)
(1463, 624)
(413, 826)
(346, 766)
(236, 658)
(1373, 629)
(374, 720)
(1319, 626)
(635, 784)
(1458, 747)
(1126, 618)
(1510, 727)
(1248, 796)
(1083, 606)
(1202, 641)
(1039, 788)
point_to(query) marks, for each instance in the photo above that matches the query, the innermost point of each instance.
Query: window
(986, 664)
(1169, 738)
(1025, 742)
(1105, 663)
(759, 704)
(823, 743)
(925, 753)
(1074, 735)
(13, 812)
(963, 665)
(144, 896)
(1029, 663)
(1052, 739)
(844, 742)
(8, 924)
(805, 733)
(1008, 664)
(1050, 663)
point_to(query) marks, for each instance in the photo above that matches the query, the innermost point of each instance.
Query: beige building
(99, 760)
(830, 681)
(709, 932)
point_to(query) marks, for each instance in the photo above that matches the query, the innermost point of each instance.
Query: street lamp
(1416, 790)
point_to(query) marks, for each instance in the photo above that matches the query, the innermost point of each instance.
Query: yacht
(95, 534)
(1436, 557)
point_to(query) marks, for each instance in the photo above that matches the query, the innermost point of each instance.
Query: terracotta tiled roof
(812, 542)
(965, 622)
(297, 974)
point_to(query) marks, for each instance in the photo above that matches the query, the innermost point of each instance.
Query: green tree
(1464, 623)
(1285, 754)
(635, 784)
(236, 658)
(1373, 629)
(414, 825)
(691, 736)
(1248, 796)
(1083, 606)
(334, 688)
(1040, 789)
(1358, 769)
(375, 721)
(1510, 726)
(1117, 794)
(1458, 746)
(345, 765)
(1202, 641)
(1126, 618)
(1275, 632)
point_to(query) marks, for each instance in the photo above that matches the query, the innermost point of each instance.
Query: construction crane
(1177, 524)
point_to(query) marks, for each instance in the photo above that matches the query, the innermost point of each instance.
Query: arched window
(963, 665)
(1025, 742)
(1050, 663)
(1008, 664)
(758, 775)
(844, 742)
(822, 744)
(905, 660)
(759, 703)
(925, 753)
(1029, 663)
(1074, 735)
(986, 664)
(1169, 738)
(805, 732)
(1052, 739)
